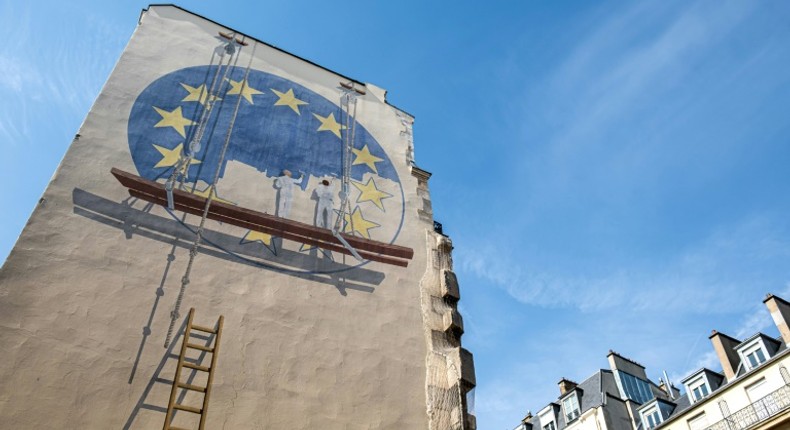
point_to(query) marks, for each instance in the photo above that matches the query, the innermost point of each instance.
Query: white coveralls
(286, 185)
(326, 205)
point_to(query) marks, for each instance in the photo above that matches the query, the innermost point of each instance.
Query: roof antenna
(669, 386)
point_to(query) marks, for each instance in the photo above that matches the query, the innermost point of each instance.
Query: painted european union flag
(280, 125)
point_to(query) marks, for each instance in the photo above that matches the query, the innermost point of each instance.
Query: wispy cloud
(597, 119)
(45, 79)
(704, 278)
(596, 85)
(754, 319)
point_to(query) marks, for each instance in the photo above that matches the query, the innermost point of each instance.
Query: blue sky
(614, 175)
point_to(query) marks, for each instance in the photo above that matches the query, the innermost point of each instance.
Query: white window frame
(573, 397)
(762, 412)
(546, 418)
(701, 383)
(649, 412)
(698, 422)
(754, 347)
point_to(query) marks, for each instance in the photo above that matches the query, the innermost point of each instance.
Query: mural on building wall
(285, 158)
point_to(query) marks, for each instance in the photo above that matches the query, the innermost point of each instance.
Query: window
(651, 418)
(698, 388)
(699, 422)
(571, 407)
(654, 412)
(756, 392)
(634, 388)
(755, 358)
(547, 417)
(753, 354)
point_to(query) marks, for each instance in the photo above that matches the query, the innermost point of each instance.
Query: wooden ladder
(177, 384)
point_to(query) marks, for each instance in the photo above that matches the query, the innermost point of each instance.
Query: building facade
(220, 173)
(751, 392)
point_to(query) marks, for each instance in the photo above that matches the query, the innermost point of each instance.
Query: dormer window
(547, 417)
(653, 413)
(698, 388)
(652, 418)
(753, 354)
(700, 384)
(570, 406)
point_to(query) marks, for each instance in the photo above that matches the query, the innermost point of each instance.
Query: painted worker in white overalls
(285, 184)
(325, 191)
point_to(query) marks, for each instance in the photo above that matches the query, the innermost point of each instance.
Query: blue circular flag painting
(280, 125)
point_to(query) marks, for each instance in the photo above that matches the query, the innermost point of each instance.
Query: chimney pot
(725, 350)
(780, 313)
(566, 385)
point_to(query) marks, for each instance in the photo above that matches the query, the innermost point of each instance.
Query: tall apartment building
(279, 199)
(751, 392)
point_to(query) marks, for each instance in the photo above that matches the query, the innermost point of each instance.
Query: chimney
(670, 390)
(527, 421)
(619, 362)
(663, 387)
(725, 350)
(780, 312)
(566, 385)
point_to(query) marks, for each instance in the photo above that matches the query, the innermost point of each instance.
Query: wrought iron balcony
(757, 412)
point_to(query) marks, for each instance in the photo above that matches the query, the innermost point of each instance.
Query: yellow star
(199, 94)
(173, 119)
(247, 93)
(257, 236)
(308, 248)
(363, 156)
(360, 224)
(369, 193)
(214, 197)
(329, 124)
(170, 157)
(288, 99)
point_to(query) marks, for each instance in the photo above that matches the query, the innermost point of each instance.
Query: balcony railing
(757, 412)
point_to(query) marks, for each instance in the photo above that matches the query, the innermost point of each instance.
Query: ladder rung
(176, 428)
(191, 387)
(200, 347)
(203, 329)
(188, 409)
(196, 367)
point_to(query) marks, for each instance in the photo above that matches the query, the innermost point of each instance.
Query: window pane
(752, 360)
(698, 423)
(634, 388)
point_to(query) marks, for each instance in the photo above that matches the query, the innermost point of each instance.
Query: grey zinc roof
(590, 393)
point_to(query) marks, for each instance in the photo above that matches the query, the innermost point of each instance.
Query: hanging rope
(181, 170)
(174, 315)
(348, 106)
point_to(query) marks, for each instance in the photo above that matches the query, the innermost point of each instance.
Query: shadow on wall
(157, 382)
(226, 247)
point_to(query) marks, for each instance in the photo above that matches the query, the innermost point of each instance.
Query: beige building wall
(312, 339)
(592, 419)
(735, 396)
